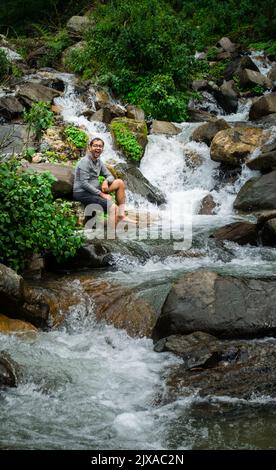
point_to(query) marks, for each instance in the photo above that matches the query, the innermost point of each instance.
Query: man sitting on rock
(87, 188)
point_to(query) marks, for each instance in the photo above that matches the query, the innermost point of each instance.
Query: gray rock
(64, 176)
(8, 371)
(14, 138)
(138, 184)
(10, 107)
(31, 92)
(242, 233)
(224, 306)
(268, 233)
(265, 161)
(164, 127)
(11, 290)
(206, 132)
(263, 106)
(251, 78)
(78, 25)
(257, 194)
(239, 64)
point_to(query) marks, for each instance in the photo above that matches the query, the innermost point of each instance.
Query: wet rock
(272, 74)
(198, 115)
(138, 184)
(252, 78)
(193, 159)
(232, 146)
(239, 64)
(227, 97)
(121, 306)
(263, 106)
(242, 369)
(206, 132)
(257, 194)
(164, 127)
(242, 233)
(224, 306)
(268, 233)
(207, 205)
(18, 327)
(8, 371)
(198, 85)
(11, 290)
(265, 161)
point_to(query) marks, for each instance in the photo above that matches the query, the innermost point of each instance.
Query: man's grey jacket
(86, 175)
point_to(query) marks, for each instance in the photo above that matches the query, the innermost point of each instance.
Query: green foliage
(55, 44)
(158, 97)
(258, 90)
(127, 141)
(54, 157)
(28, 153)
(76, 137)
(30, 220)
(39, 117)
(267, 46)
(212, 53)
(4, 65)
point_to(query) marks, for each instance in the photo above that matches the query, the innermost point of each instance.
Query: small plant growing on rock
(4, 65)
(76, 137)
(39, 118)
(127, 141)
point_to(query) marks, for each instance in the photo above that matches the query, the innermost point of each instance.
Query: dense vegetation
(144, 50)
(30, 220)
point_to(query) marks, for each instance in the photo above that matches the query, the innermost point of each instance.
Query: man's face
(96, 149)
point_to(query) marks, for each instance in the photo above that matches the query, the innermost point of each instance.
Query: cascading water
(90, 386)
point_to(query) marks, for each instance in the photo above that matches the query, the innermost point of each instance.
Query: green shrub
(4, 65)
(30, 220)
(76, 137)
(39, 117)
(127, 141)
(159, 98)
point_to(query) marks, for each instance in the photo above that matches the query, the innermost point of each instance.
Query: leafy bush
(4, 64)
(76, 137)
(159, 98)
(127, 141)
(39, 117)
(30, 220)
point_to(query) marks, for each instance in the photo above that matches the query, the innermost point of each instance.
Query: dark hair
(94, 139)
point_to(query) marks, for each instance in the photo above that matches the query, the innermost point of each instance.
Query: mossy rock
(129, 136)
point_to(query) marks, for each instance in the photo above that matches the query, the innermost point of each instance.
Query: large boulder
(10, 107)
(18, 327)
(210, 367)
(8, 371)
(164, 127)
(32, 92)
(138, 184)
(232, 146)
(265, 161)
(14, 138)
(207, 131)
(64, 175)
(263, 106)
(224, 306)
(11, 290)
(268, 233)
(257, 194)
(240, 232)
(227, 97)
(226, 44)
(198, 115)
(121, 306)
(251, 78)
(137, 128)
(239, 64)
(78, 25)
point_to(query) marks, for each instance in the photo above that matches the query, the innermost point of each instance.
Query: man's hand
(105, 186)
(105, 196)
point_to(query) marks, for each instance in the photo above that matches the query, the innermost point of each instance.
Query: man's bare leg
(119, 187)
